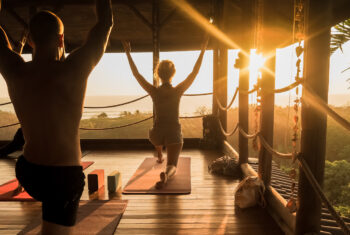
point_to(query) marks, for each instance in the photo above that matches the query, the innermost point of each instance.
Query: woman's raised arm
(183, 86)
(140, 79)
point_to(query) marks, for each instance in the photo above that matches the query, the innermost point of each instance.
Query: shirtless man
(48, 94)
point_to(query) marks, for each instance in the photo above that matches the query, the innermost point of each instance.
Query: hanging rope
(248, 136)
(200, 94)
(198, 116)
(273, 151)
(115, 127)
(6, 103)
(314, 184)
(125, 103)
(289, 87)
(220, 106)
(250, 91)
(228, 134)
(116, 105)
(14, 124)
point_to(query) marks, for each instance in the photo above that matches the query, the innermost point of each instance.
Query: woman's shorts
(165, 135)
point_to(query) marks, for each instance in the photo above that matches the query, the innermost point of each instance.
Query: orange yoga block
(96, 180)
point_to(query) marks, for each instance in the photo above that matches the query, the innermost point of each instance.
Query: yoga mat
(94, 217)
(7, 189)
(146, 176)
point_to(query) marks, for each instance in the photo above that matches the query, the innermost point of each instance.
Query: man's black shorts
(59, 188)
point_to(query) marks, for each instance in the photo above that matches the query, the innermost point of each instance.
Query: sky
(112, 76)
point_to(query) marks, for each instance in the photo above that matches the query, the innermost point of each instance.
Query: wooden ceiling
(178, 30)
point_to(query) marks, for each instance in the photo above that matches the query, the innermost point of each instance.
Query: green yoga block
(114, 181)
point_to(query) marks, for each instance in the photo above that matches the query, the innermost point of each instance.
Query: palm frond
(340, 36)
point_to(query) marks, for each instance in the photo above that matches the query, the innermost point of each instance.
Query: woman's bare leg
(173, 153)
(159, 150)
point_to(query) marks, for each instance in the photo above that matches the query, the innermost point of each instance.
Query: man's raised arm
(95, 45)
(9, 60)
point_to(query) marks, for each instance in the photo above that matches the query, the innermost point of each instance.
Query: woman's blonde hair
(165, 70)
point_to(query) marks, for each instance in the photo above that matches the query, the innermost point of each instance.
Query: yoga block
(95, 180)
(114, 181)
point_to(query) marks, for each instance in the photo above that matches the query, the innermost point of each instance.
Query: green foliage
(337, 185)
(337, 182)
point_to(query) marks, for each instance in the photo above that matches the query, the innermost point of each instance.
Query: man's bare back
(48, 99)
(48, 94)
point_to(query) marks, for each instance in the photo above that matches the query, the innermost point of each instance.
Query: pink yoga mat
(94, 217)
(7, 189)
(146, 176)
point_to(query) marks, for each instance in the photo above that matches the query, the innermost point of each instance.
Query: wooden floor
(209, 209)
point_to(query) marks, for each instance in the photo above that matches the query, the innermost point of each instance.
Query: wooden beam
(167, 18)
(139, 15)
(314, 122)
(155, 37)
(19, 19)
(340, 13)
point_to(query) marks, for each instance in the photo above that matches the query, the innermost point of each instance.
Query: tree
(202, 110)
(102, 115)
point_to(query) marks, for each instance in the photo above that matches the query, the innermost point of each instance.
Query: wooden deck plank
(209, 209)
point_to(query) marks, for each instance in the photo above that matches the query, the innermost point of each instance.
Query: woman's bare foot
(159, 185)
(159, 152)
(160, 157)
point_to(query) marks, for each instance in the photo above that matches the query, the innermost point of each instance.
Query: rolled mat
(146, 176)
(7, 190)
(94, 217)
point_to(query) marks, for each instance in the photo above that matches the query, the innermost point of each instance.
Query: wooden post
(243, 98)
(243, 110)
(267, 116)
(314, 122)
(155, 37)
(220, 68)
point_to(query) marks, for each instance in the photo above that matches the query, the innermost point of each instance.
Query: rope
(116, 105)
(250, 91)
(248, 136)
(289, 87)
(265, 144)
(314, 100)
(125, 103)
(273, 151)
(200, 94)
(14, 124)
(199, 116)
(227, 134)
(313, 182)
(231, 102)
(115, 127)
(6, 103)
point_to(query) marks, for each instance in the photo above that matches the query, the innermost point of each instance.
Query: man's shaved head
(45, 28)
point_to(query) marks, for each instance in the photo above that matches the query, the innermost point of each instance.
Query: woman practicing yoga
(166, 130)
